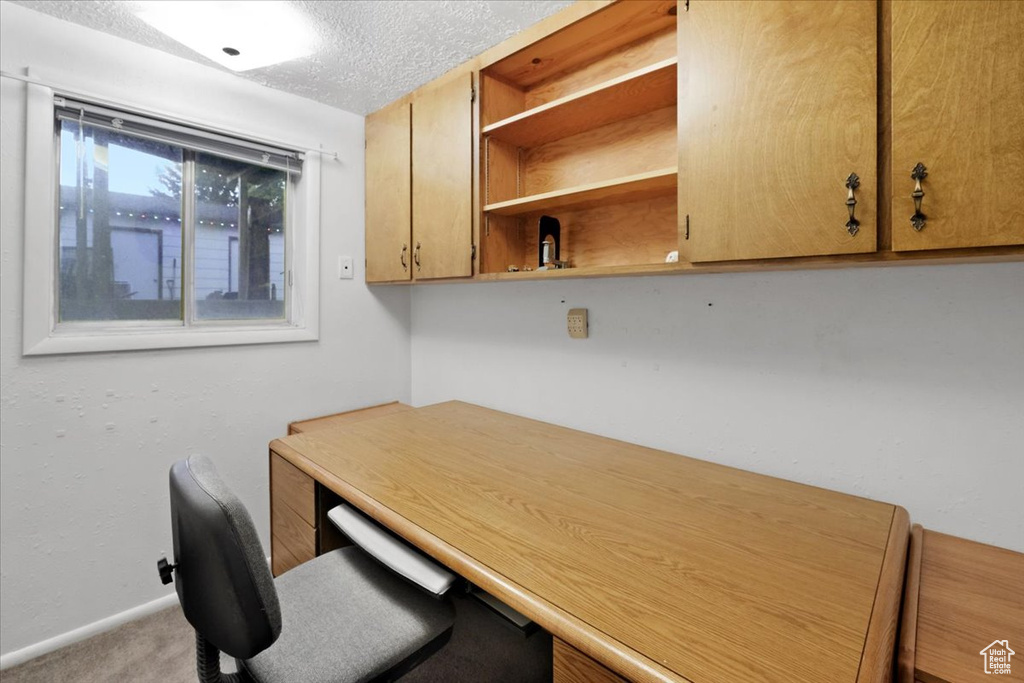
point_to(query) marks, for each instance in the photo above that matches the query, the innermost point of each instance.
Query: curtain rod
(101, 99)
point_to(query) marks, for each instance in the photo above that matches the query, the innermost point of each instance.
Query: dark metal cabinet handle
(918, 174)
(405, 248)
(416, 256)
(852, 183)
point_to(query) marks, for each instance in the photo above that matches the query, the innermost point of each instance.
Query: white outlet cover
(345, 268)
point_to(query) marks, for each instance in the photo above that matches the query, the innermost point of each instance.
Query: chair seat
(347, 619)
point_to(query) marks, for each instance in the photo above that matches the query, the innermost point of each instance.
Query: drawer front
(572, 666)
(281, 559)
(291, 537)
(292, 487)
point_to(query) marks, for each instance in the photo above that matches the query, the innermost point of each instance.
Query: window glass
(119, 226)
(239, 240)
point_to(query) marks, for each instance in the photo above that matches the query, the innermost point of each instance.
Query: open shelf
(632, 94)
(588, 271)
(579, 44)
(619, 190)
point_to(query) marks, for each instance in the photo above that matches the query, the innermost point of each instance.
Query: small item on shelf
(673, 257)
(559, 265)
(513, 269)
(550, 240)
(545, 255)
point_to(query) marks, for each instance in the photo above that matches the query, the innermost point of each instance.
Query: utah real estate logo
(997, 657)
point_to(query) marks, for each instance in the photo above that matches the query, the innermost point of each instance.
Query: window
(167, 235)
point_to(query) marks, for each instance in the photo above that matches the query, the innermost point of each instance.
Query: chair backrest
(223, 582)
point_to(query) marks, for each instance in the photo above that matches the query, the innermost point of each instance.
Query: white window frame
(41, 334)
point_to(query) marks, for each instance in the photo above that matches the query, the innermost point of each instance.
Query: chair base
(415, 659)
(208, 665)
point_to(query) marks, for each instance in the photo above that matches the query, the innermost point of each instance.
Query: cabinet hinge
(472, 95)
(687, 233)
(687, 6)
(472, 255)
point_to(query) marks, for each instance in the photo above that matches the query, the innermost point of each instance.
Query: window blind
(169, 132)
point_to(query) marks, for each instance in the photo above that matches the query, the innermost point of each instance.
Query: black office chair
(341, 618)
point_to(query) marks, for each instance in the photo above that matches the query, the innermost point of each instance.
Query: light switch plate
(577, 321)
(345, 268)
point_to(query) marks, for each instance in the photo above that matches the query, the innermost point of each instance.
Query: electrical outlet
(577, 320)
(345, 270)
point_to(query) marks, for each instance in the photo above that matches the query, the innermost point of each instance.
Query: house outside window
(165, 235)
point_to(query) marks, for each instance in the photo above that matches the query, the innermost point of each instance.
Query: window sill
(139, 339)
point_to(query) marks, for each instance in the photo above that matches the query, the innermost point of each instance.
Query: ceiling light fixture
(258, 33)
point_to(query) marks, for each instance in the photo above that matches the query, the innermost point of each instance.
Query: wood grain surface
(958, 107)
(777, 108)
(970, 595)
(292, 487)
(337, 419)
(292, 515)
(290, 532)
(281, 559)
(908, 618)
(616, 191)
(616, 235)
(543, 56)
(660, 566)
(637, 145)
(499, 100)
(502, 178)
(878, 660)
(646, 89)
(389, 194)
(572, 666)
(648, 50)
(442, 180)
(503, 244)
(876, 260)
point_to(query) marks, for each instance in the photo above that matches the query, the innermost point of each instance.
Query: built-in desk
(643, 564)
(961, 597)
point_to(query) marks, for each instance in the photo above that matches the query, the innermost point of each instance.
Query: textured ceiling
(372, 51)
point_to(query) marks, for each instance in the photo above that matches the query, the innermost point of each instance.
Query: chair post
(208, 664)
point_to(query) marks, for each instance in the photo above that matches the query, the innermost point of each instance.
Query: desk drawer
(572, 666)
(291, 534)
(292, 487)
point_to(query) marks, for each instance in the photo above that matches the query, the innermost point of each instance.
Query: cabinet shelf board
(619, 190)
(647, 89)
(588, 271)
(1013, 254)
(583, 41)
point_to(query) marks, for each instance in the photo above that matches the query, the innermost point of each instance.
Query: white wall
(87, 440)
(900, 384)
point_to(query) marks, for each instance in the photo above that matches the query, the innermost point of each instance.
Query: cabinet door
(777, 108)
(958, 109)
(389, 194)
(442, 180)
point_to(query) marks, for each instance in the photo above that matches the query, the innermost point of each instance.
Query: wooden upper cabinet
(389, 194)
(777, 108)
(442, 180)
(958, 109)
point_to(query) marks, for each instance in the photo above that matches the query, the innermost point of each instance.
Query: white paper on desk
(390, 551)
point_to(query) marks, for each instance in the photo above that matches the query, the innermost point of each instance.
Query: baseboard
(95, 628)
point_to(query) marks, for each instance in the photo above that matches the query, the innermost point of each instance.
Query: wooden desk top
(660, 566)
(970, 595)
